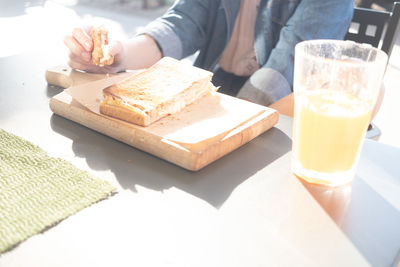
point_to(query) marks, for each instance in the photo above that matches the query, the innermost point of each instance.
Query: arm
(181, 31)
(140, 52)
(136, 53)
(312, 19)
(285, 105)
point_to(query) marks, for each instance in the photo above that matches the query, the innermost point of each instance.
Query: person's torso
(271, 17)
(239, 55)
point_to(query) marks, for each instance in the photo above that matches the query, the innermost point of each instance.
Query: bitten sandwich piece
(165, 88)
(101, 54)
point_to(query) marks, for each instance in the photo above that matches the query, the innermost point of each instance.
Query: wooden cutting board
(198, 135)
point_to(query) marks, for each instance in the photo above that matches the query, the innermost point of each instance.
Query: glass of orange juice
(336, 84)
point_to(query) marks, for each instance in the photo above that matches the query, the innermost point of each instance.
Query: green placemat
(38, 191)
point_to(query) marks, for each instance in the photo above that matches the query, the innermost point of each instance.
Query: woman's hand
(80, 45)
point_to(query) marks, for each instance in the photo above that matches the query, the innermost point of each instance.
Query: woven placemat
(38, 191)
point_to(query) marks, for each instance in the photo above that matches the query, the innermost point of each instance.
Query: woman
(248, 44)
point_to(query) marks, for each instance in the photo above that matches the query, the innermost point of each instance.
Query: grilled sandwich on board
(163, 89)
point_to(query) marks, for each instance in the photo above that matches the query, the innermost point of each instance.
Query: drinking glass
(336, 85)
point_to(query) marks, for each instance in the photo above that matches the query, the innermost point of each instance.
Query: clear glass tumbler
(336, 84)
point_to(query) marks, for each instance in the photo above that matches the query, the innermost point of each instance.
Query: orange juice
(329, 127)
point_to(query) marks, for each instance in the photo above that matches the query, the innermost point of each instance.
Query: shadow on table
(53, 90)
(334, 200)
(132, 167)
(367, 210)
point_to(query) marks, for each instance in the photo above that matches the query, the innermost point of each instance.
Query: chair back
(371, 27)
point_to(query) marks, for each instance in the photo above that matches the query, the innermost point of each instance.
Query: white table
(246, 209)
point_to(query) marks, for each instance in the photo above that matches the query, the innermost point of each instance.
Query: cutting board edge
(190, 160)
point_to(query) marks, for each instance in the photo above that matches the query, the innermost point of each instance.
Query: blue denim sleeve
(312, 19)
(181, 30)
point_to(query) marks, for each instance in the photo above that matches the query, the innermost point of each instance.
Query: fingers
(83, 38)
(77, 65)
(80, 45)
(75, 48)
(79, 58)
(84, 58)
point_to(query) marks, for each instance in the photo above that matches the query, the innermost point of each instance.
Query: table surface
(246, 209)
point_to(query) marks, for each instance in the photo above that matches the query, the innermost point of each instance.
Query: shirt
(239, 56)
(207, 26)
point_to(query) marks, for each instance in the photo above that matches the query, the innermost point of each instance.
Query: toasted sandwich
(101, 54)
(164, 88)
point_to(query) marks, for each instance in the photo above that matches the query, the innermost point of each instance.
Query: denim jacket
(207, 25)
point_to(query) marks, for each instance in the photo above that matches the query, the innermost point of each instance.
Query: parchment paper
(209, 119)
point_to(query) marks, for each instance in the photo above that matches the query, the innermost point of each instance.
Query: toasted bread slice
(165, 88)
(101, 54)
